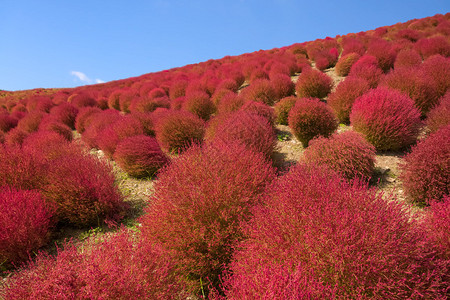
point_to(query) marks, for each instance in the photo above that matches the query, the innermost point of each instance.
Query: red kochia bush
(147, 104)
(250, 129)
(83, 190)
(83, 117)
(199, 204)
(437, 225)
(416, 84)
(438, 68)
(282, 86)
(341, 100)
(65, 113)
(31, 121)
(82, 100)
(345, 63)
(313, 83)
(349, 242)
(115, 267)
(282, 109)
(439, 116)
(25, 219)
(259, 108)
(387, 118)
(407, 58)
(140, 156)
(200, 104)
(97, 123)
(433, 45)
(367, 68)
(176, 130)
(259, 90)
(426, 170)
(310, 118)
(347, 153)
(383, 52)
(230, 102)
(7, 122)
(49, 124)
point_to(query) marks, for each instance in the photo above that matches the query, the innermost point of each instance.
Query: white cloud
(84, 78)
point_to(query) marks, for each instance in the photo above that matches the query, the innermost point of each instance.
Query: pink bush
(199, 204)
(65, 113)
(387, 118)
(260, 109)
(367, 68)
(230, 102)
(147, 104)
(82, 100)
(84, 117)
(113, 267)
(282, 109)
(310, 118)
(25, 220)
(426, 169)
(41, 104)
(437, 225)
(341, 100)
(250, 129)
(49, 124)
(433, 45)
(140, 156)
(313, 83)
(282, 86)
(351, 45)
(16, 136)
(98, 122)
(347, 153)
(259, 90)
(31, 121)
(439, 116)
(438, 69)
(200, 104)
(342, 240)
(7, 122)
(177, 130)
(383, 52)
(414, 83)
(407, 58)
(345, 63)
(178, 89)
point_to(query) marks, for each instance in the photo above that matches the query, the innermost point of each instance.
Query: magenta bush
(200, 202)
(84, 117)
(97, 123)
(282, 86)
(16, 136)
(384, 53)
(259, 90)
(439, 116)
(66, 113)
(342, 240)
(437, 68)
(345, 63)
(113, 267)
(247, 128)
(140, 156)
(7, 122)
(313, 83)
(351, 45)
(200, 104)
(25, 220)
(282, 108)
(50, 124)
(367, 68)
(407, 58)
(433, 45)
(230, 102)
(260, 109)
(347, 153)
(387, 118)
(31, 121)
(345, 94)
(82, 100)
(178, 89)
(426, 169)
(310, 118)
(147, 104)
(177, 130)
(437, 225)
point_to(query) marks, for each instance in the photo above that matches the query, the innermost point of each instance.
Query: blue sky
(64, 43)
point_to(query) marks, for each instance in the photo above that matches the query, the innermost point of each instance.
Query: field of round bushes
(224, 216)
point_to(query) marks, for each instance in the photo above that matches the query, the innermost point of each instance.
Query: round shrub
(49, 124)
(146, 121)
(83, 190)
(250, 129)
(433, 45)
(228, 84)
(230, 102)
(407, 58)
(31, 121)
(345, 94)
(437, 68)
(16, 136)
(351, 240)
(200, 104)
(178, 88)
(417, 85)
(367, 68)
(84, 117)
(387, 118)
(66, 113)
(199, 205)
(157, 93)
(439, 116)
(313, 83)
(176, 130)
(147, 104)
(282, 86)
(310, 118)
(140, 156)
(82, 100)
(125, 100)
(259, 90)
(108, 267)
(25, 220)
(282, 109)
(345, 63)
(260, 109)
(7, 122)
(97, 123)
(351, 45)
(114, 100)
(426, 169)
(437, 225)
(383, 52)
(258, 74)
(41, 104)
(347, 153)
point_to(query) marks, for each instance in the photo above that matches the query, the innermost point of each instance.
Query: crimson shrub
(310, 118)
(7, 122)
(199, 204)
(282, 86)
(140, 156)
(437, 68)
(437, 225)
(387, 118)
(426, 169)
(65, 113)
(439, 116)
(367, 68)
(345, 63)
(200, 104)
(84, 117)
(260, 109)
(260, 90)
(313, 83)
(282, 109)
(433, 45)
(407, 58)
